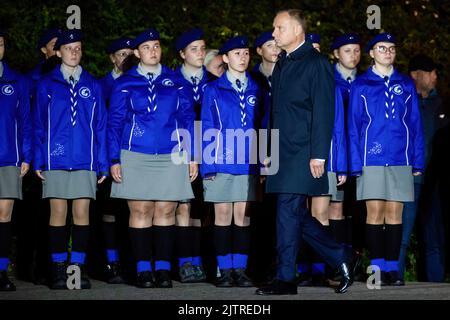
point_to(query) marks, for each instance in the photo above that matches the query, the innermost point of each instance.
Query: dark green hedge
(420, 26)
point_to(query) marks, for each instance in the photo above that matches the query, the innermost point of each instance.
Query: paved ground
(204, 291)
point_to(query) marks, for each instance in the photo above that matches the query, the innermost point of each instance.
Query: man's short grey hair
(210, 54)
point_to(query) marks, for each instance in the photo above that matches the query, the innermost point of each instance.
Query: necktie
(389, 103)
(151, 93)
(73, 101)
(241, 102)
(195, 89)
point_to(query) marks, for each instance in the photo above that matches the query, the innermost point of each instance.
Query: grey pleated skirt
(62, 184)
(148, 177)
(10, 183)
(231, 188)
(336, 194)
(393, 183)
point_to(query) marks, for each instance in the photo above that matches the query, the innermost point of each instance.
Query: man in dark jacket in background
(427, 202)
(303, 112)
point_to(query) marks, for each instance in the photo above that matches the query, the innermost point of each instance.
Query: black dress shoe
(5, 283)
(162, 279)
(395, 280)
(58, 280)
(225, 280)
(241, 279)
(304, 280)
(145, 280)
(114, 273)
(84, 280)
(278, 287)
(346, 280)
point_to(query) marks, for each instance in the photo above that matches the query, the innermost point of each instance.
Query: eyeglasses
(384, 49)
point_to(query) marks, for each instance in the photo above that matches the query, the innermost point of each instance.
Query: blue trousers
(295, 224)
(431, 233)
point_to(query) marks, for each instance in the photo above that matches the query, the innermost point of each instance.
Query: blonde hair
(210, 54)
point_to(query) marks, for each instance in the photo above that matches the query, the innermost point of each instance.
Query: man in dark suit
(303, 112)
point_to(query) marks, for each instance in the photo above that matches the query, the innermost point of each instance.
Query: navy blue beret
(342, 40)
(186, 38)
(263, 38)
(47, 36)
(119, 44)
(313, 37)
(382, 37)
(144, 36)
(234, 43)
(68, 36)
(2, 33)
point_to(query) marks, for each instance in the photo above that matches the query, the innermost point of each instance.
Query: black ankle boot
(241, 279)
(346, 280)
(304, 279)
(395, 280)
(319, 280)
(84, 280)
(145, 280)
(162, 279)
(225, 280)
(5, 283)
(114, 273)
(59, 276)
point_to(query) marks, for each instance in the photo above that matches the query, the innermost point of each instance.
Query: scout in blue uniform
(15, 153)
(148, 109)
(46, 46)
(314, 38)
(231, 102)
(33, 262)
(118, 51)
(264, 221)
(70, 151)
(262, 72)
(386, 142)
(347, 50)
(194, 77)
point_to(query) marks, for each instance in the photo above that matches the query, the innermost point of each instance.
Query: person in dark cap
(386, 151)
(15, 153)
(118, 51)
(69, 152)
(345, 213)
(232, 102)
(263, 223)
(148, 108)
(328, 209)
(32, 259)
(423, 71)
(303, 113)
(45, 45)
(314, 38)
(194, 77)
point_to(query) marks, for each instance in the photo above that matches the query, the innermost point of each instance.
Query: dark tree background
(420, 25)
